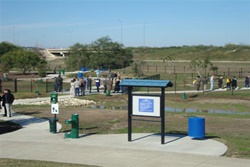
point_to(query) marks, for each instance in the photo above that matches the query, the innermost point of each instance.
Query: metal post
(130, 113)
(241, 71)
(15, 85)
(175, 83)
(31, 87)
(203, 87)
(47, 87)
(90, 84)
(162, 116)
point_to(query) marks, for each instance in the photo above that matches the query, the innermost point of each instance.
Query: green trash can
(52, 125)
(63, 71)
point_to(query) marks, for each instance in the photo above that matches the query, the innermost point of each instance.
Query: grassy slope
(229, 53)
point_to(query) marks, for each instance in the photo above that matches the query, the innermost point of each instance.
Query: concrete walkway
(35, 142)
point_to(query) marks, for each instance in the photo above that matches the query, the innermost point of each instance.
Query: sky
(151, 23)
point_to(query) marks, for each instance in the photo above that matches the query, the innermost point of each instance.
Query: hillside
(228, 52)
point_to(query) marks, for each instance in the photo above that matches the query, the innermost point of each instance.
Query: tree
(7, 62)
(214, 69)
(206, 62)
(197, 63)
(168, 59)
(26, 60)
(78, 57)
(6, 47)
(136, 68)
(102, 53)
(21, 59)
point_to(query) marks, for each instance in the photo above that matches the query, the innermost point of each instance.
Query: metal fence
(31, 85)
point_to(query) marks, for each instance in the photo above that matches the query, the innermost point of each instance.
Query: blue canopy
(146, 83)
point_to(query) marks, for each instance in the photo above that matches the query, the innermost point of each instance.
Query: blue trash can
(196, 127)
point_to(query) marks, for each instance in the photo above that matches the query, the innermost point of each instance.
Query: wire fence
(30, 85)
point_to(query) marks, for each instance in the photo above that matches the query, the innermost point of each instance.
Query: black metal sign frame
(130, 112)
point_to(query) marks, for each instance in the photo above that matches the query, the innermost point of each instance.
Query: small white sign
(54, 108)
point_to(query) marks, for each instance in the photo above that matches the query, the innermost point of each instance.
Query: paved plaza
(35, 142)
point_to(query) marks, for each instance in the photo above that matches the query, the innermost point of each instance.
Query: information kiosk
(150, 105)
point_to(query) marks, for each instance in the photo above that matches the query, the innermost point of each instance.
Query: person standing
(212, 82)
(234, 83)
(97, 84)
(55, 84)
(59, 83)
(8, 99)
(72, 87)
(3, 103)
(198, 83)
(220, 82)
(0, 85)
(109, 86)
(228, 83)
(205, 80)
(105, 84)
(76, 85)
(247, 82)
(117, 86)
(82, 86)
(0, 103)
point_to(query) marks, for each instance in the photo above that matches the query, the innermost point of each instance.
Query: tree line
(102, 53)
(12, 56)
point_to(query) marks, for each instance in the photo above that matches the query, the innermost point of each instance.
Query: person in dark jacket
(247, 82)
(3, 104)
(105, 84)
(220, 82)
(59, 83)
(8, 99)
(234, 83)
(117, 86)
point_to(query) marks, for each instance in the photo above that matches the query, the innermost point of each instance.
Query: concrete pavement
(35, 142)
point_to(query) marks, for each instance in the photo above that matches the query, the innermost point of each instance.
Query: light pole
(121, 28)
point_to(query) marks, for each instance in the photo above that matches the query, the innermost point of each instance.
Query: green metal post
(74, 121)
(75, 126)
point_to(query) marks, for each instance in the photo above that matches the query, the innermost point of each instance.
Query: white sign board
(146, 105)
(54, 108)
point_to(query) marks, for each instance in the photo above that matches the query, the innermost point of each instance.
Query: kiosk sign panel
(146, 105)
